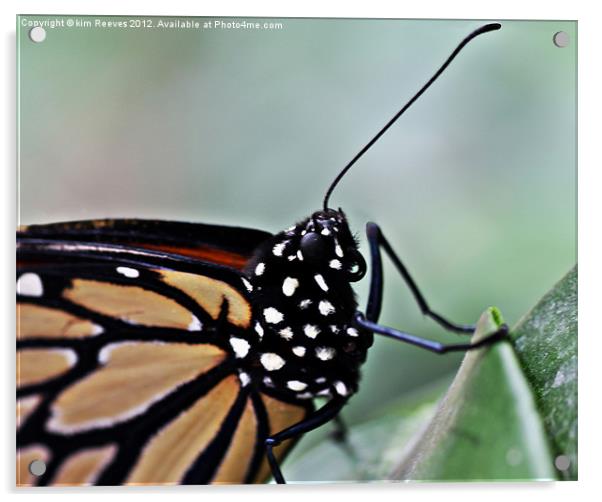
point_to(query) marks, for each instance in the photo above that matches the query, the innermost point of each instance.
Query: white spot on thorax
(286, 333)
(247, 284)
(311, 331)
(321, 282)
(326, 308)
(303, 304)
(240, 346)
(195, 324)
(272, 315)
(352, 332)
(341, 388)
(289, 285)
(296, 385)
(128, 272)
(336, 264)
(300, 255)
(260, 269)
(325, 353)
(299, 350)
(279, 248)
(325, 231)
(271, 361)
(30, 284)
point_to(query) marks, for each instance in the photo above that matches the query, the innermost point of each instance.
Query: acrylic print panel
(156, 352)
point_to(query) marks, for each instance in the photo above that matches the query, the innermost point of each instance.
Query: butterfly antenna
(483, 29)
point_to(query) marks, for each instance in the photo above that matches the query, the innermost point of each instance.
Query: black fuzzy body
(303, 302)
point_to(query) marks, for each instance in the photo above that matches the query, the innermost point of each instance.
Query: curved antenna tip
(490, 27)
(479, 31)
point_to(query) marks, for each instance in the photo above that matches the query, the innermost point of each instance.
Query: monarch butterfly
(156, 352)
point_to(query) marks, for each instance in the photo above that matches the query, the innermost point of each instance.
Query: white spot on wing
(289, 285)
(268, 381)
(97, 329)
(105, 353)
(271, 361)
(259, 329)
(299, 350)
(195, 324)
(132, 273)
(321, 282)
(240, 346)
(244, 378)
(272, 315)
(311, 331)
(247, 284)
(338, 250)
(326, 308)
(68, 354)
(30, 284)
(260, 269)
(300, 255)
(296, 385)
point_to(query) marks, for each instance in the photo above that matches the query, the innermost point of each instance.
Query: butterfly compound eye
(313, 247)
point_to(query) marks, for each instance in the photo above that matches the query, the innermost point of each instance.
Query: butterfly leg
(319, 417)
(376, 241)
(361, 322)
(340, 431)
(340, 435)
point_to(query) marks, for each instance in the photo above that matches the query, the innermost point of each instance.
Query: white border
(590, 251)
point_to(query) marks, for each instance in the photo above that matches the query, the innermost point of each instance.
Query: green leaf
(487, 426)
(546, 343)
(373, 447)
(509, 413)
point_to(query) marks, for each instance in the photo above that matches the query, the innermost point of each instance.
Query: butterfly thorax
(303, 304)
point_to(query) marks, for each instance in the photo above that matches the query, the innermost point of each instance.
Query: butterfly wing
(227, 246)
(124, 371)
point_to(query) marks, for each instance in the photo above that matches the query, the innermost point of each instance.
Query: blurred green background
(475, 186)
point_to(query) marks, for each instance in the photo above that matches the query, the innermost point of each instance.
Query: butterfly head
(326, 242)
